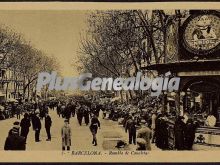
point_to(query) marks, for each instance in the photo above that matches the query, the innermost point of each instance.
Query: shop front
(198, 98)
(195, 58)
(201, 100)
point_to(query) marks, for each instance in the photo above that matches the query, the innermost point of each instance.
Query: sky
(55, 32)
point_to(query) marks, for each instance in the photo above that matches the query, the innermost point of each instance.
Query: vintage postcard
(110, 82)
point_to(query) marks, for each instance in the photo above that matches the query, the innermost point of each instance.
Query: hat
(121, 144)
(66, 120)
(16, 123)
(15, 130)
(143, 122)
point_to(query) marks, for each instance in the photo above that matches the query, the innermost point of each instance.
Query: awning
(181, 66)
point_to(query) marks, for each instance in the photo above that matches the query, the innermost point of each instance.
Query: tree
(26, 62)
(118, 41)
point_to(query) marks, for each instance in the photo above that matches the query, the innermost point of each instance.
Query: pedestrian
(164, 133)
(32, 117)
(13, 109)
(37, 126)
(25, 125)
(153, 125)
(80, 112)
(66, 135)
(62, 109)
(95, 109)
(98, 107)
(18, 111)
(190, 134)
(103, 113)
(179, 128)
(14, 141)
(130, 127)
(95, 124)
(43, 110)
(86, 115)
(59, 109)
(73, 108)
(67, 111)
(145, 133)
(158, 139)
(48, 124)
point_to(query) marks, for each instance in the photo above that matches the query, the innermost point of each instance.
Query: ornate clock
(201, 33)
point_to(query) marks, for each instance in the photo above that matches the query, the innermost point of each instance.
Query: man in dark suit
(131, 128)
(25, 124)
(48, 123)
(37, 126)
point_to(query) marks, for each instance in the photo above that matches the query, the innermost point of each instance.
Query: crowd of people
(151, 125)
(143, 125)
(34, 112)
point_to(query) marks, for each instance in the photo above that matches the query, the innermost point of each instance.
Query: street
(107, 136)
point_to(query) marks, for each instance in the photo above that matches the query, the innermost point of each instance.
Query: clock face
(171, 47)
(202, 33)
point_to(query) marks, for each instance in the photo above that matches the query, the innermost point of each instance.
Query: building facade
(193, 54)
(11, 85)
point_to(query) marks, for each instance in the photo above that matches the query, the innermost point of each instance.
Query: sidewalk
(108, 136)
(114, 132)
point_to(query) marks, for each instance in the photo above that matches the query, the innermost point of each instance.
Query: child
(66, 135)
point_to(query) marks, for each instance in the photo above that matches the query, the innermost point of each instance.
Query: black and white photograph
(110, 80)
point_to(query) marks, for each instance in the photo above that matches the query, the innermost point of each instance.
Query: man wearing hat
(48, 124)
(37, 126)
(179, 132)
(66, 135)
(130, 127)
(95, 124)
(25, 124)
(144, 133)
(14, 141)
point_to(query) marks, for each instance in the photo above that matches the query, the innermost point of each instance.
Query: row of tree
(117, 43)
(23, 61)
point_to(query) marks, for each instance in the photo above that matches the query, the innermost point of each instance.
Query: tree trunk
(28, 88)
(15, 89)
(6, 90)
